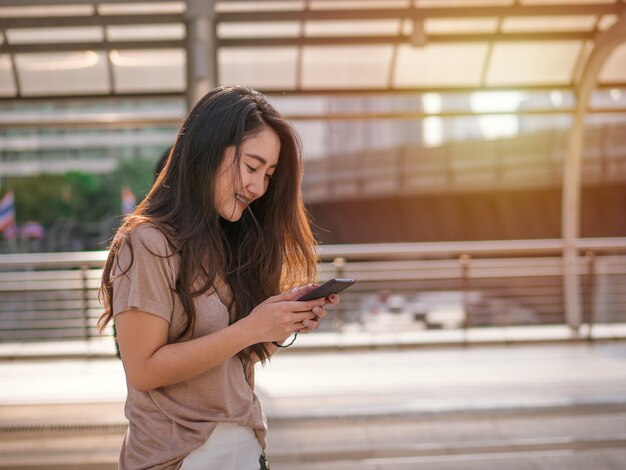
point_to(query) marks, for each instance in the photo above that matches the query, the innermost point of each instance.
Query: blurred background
(465, 161)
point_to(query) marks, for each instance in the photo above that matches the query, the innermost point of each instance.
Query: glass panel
(7, 85)
(62, 73)
(357, 4)
(51, 10)
(536, 63)
(60, 35)
(551, 23)
(259, 6)
(346, 67)
(261, 29)
(155, 70)
(103, 138)
(407, 27)
(258, 67)
(560, 2)
(460, 25)
(343, 137)
(116, 109)
(614, 70)
(429, 103)
(314, 135)
(440, 65)
(351, 28)
(141, 8)
(461, 3)
(140, 32)
(615, 98)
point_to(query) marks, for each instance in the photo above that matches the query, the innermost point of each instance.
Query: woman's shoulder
(151, 237)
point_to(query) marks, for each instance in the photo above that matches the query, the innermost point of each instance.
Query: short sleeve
(148, 284)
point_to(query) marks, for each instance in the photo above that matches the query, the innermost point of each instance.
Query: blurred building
(421, 120)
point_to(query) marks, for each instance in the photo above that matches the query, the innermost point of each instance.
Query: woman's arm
(150, 362)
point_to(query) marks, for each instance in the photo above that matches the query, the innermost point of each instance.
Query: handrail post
(464, 260)
(340, 268)
(591, 280)
(85, 298)
(571, 289)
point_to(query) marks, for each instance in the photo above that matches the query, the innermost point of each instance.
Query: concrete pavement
(357, 382)
(345, 406)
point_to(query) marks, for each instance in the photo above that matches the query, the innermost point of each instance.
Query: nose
(257, 186)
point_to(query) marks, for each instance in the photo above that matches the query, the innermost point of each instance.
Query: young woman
(201, 280)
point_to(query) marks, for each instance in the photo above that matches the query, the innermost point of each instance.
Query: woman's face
(259, 157)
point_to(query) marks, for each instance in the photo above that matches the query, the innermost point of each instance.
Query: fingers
(307, 326)
(319, 312)
(316, 307)
(306, 306)
(292, 295)
(310, 324)
(298, 319)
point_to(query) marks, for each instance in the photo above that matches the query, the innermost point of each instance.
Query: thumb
(282, 297)
(295, 294)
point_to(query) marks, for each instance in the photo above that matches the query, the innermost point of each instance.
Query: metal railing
(49, 296)
(52, 296)
(463, 284)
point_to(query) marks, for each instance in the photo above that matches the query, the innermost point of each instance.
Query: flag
(7, 211)
(129, 201)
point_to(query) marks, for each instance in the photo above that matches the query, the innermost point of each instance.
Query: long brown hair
(269, 250)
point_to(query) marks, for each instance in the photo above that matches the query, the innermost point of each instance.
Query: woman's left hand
(320, 312)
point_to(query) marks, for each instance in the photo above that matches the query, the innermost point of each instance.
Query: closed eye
(253, 170)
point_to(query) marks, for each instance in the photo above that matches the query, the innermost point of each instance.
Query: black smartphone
(334, 286)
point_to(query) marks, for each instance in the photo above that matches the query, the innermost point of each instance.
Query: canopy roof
(71, 48)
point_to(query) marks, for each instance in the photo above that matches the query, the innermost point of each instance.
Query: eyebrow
(260, 159)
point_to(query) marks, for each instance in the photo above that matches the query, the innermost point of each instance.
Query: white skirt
(230, 447)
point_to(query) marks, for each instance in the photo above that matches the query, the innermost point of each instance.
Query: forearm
(178, 362)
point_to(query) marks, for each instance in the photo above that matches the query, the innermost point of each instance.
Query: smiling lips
(242, 200)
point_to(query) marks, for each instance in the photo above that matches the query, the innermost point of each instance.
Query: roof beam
(433, 89)
(47, 3)
(151, 95)
(89, 20)
(310, 92)
(411, 12)
(404, 39)
(92, 46)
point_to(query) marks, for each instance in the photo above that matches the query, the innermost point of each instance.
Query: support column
(201, 49)
(605, 43)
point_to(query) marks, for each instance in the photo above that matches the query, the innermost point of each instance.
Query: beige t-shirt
(169, 422)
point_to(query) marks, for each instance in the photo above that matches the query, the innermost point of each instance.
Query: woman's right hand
(280, 316)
